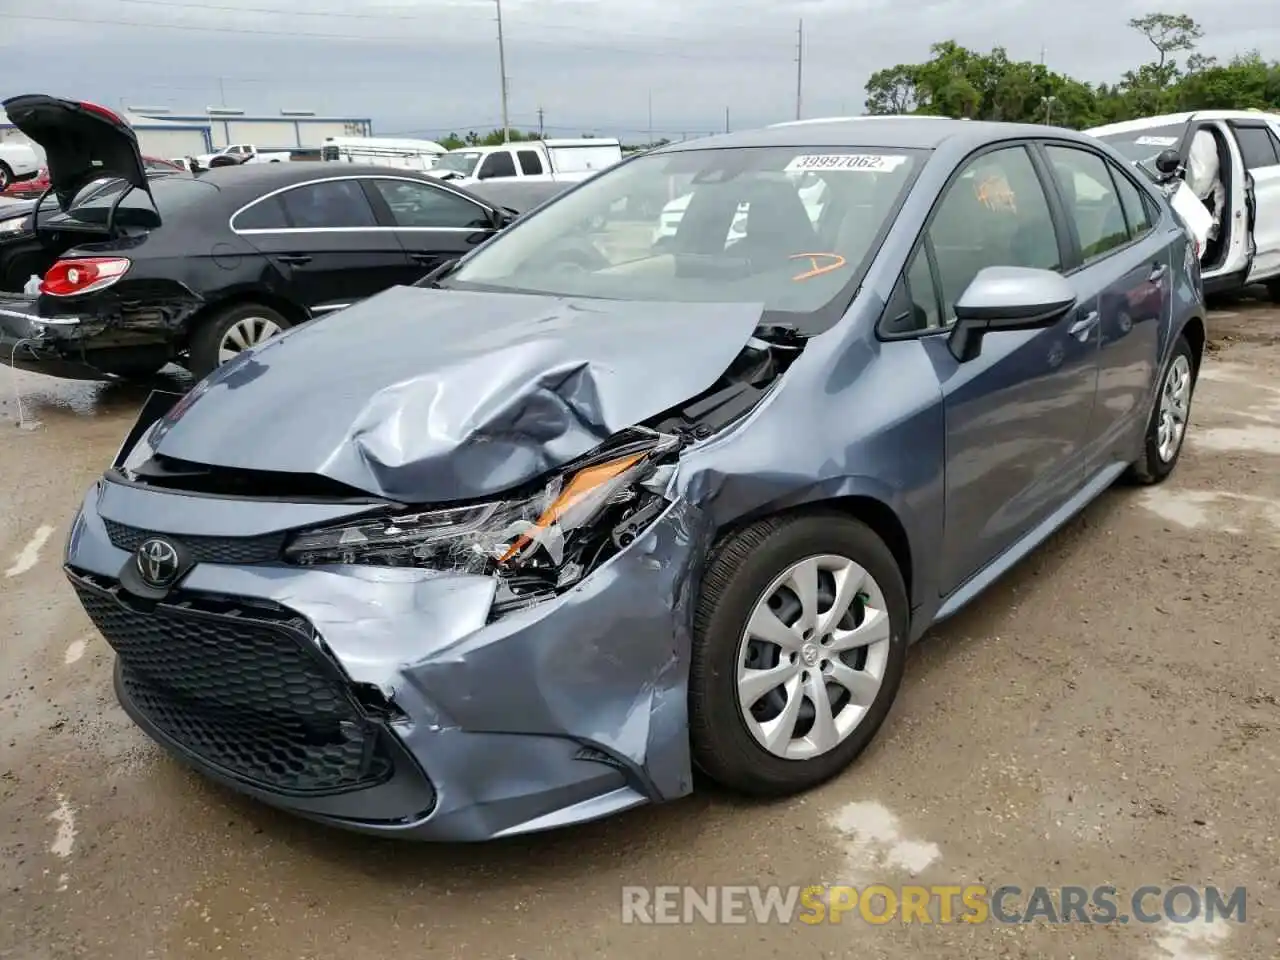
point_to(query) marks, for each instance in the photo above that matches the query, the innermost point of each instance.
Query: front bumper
(388, 700)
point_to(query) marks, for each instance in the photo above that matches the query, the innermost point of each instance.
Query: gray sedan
(523, 546)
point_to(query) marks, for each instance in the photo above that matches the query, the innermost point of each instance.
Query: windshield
(463, 163)
(779, 226)
(1143, 146)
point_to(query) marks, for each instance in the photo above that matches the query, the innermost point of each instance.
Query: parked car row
(588, 506)
(143, 270)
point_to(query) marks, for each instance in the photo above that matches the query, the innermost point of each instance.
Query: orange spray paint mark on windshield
(816, 267)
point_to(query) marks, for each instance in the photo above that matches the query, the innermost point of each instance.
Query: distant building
(174, 137)
(289, 128)
(162, 133)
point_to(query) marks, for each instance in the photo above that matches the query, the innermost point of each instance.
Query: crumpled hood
(424, 395)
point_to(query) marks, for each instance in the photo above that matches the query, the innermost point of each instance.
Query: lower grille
(243, 689)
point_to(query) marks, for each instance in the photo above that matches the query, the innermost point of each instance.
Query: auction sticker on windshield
(864, 162)
(1156, 141)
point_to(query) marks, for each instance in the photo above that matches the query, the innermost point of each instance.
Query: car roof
(245, 182)
(267, 176)
(1173, 119)
(902, 132)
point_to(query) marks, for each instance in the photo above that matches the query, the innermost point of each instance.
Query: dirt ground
(1108, 714)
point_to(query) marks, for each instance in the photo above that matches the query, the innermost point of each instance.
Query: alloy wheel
(1175, 405)
(813, 656)
(245, 333)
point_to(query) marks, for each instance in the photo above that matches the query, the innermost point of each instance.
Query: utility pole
(502, 68)
(222, 92)
(1042, 52)
(726, 119)
(540, 126)
(799, 67)
(651, 118)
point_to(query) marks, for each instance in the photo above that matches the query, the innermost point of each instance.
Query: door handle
(297, 259)
(1157, 272)
(426, 259)
(1084, 326)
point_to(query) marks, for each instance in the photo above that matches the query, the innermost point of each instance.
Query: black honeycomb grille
(241, 693)
(232, 550)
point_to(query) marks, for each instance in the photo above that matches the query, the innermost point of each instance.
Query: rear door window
(328, 205)
(266, 214)
(1257, 147)
(530, 163)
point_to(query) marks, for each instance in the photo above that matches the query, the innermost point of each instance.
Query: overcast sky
(426, 67)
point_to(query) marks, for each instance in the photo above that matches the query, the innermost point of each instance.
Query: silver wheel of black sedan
(245, 333)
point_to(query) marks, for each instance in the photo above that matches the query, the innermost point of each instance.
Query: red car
(30, 189)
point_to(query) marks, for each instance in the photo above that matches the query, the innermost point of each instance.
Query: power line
(366, 38)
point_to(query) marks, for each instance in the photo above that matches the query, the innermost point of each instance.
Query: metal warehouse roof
(140, 122)
(258, 118)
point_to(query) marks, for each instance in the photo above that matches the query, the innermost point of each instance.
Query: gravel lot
(1107, 714)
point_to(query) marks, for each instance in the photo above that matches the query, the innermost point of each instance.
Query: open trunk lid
(82, 142)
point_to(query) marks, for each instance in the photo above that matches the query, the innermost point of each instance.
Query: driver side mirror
(1168, 162)
(1007, 298)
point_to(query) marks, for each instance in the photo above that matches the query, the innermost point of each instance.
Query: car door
(1017, 415)
(1119, 263)
(432, 222)
(325, 240)
(1260, 151)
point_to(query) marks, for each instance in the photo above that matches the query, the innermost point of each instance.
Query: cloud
(431, 66)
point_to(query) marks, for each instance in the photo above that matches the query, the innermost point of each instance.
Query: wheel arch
(286, 308)
(869, 508)
(1194, 331)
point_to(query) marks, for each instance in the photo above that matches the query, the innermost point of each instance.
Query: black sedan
(195, 269)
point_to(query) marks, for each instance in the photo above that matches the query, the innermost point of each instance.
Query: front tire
(1170, 415)
(223, 334)
(794, 610)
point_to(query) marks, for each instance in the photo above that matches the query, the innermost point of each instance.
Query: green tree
(1168, 33)
(958, 82)
(892, 90)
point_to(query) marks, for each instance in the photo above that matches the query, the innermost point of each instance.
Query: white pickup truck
(566, 160)
(18, 161)
(246, 153)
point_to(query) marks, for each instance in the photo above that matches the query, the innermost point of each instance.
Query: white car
(18, 161)
(811, 194)
(1227, 162)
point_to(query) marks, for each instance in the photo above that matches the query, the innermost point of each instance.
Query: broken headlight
(560, 531)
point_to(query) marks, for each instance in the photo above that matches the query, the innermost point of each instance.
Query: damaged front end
(509, 662)
(537, 541)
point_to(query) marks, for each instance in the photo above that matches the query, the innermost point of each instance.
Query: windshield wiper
(433, 278)
(780, 333)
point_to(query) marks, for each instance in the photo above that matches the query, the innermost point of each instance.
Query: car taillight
(69, 278)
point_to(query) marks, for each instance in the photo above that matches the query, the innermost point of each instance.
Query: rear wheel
(6, 176)
(226, 333)
(799, 646)
(1170, 414)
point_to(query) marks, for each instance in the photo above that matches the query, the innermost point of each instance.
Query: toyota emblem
(157, 562)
